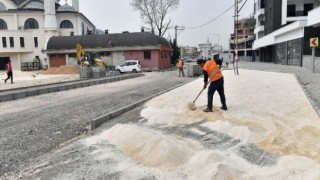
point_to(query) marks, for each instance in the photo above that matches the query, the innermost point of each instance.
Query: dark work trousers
(10, 75)
(216, 85)
(181, 71)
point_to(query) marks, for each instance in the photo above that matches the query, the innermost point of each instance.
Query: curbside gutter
(309, 95)
(51, 88)
(95, 123)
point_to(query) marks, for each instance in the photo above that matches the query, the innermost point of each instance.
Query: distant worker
(9, 72)
(213, 75)
(180, 66)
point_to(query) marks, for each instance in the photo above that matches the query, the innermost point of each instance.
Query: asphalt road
(34, 126)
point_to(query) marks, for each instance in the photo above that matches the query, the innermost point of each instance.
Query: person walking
(9, 72)
(213, 75)
(180, 66)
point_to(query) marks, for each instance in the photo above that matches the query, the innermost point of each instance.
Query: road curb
(309, 96)
(51, 88)
(95, 123)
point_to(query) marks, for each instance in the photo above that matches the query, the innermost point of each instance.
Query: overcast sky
(118, 16)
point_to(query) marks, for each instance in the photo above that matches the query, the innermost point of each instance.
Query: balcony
(258, 13)
(313, 17)
(296, 13)
(259, 29)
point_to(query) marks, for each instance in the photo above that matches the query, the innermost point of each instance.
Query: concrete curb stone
(20, 95)
(43, 91)
(53, 89)
(95, 123)
(34, 92)
(79, 85)
(70, 86)
(62, 88)
(6, 97)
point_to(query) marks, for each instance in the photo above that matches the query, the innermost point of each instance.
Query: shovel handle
(198, 96)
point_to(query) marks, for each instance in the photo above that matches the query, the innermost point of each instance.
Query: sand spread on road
(265, 108)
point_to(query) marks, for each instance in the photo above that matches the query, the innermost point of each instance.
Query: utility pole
(236, 20)
(176, 29)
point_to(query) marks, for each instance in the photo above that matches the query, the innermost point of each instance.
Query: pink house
(152, 51)
(154, 58)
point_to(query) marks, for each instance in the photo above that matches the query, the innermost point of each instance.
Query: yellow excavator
(89, 58)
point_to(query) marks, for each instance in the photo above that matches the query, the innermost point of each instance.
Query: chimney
(142, 29)
(106, 31)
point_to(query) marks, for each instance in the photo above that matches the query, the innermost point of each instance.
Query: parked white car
(129, 66)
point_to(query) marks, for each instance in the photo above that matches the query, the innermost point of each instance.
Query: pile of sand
(65, 69)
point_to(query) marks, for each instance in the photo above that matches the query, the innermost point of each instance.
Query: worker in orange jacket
(213, 75)
(180, 66)
(9, 72)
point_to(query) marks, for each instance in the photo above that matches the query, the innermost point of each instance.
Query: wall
(145, 63)
(299, 7)
(72, 61)
(310, 32)
(308, 63)
(71, 17)
(300, 3)
(118, 58)
(14, 60)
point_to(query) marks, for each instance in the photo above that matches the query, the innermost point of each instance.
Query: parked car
(129, 66)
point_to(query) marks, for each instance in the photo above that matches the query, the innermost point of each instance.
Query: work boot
(207, 110)
(224, 108)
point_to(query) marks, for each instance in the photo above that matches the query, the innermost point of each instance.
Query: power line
(196, 27)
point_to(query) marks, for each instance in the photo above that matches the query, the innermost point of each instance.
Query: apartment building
(283, 30)
(245, 34)
(27, 25)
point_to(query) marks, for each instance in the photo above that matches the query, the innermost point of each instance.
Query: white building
(26, 26)
(283, 30)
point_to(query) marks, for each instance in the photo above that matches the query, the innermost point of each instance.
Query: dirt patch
(66, 69)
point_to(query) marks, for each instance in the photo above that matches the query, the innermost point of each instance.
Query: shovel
(198, 96)
(192, 106)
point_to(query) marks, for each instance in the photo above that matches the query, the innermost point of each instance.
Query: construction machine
(88, 58)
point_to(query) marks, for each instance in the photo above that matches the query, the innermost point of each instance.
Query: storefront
(289, 53)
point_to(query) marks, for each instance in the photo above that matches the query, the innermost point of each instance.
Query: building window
(291, 10)
(36, 42)
(22, 42)
(66, 24)
(307, 7)
(4, 42)
(3, 24)
(147, 55)
(31, 24)
(82, 28)
(11, 41)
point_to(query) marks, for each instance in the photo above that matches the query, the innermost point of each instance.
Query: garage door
(57, 61)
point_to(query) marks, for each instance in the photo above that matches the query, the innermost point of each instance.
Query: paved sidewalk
(23, 92)
(310, 82)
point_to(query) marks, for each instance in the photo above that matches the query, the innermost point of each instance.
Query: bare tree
(154, 12)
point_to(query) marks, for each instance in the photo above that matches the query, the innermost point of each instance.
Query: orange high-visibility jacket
(180, 64)
(213, 70)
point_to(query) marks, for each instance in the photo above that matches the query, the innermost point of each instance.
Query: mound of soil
(65, 69)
